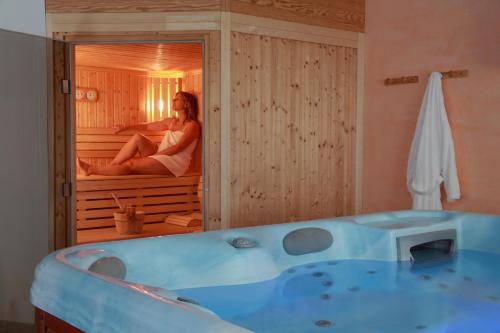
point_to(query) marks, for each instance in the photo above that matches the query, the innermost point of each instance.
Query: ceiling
(141, 57)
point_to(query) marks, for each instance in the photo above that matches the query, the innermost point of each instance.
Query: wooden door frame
(62, 218)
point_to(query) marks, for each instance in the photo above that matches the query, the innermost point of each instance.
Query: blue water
(457, 295)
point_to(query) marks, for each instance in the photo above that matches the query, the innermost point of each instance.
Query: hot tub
(405, 271)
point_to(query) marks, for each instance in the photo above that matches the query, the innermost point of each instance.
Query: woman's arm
(161, 125)
(191, 133)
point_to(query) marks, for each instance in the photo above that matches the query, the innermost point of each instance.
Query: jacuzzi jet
(187, 300)
(243, 243)
(427, 247)
(323, 323)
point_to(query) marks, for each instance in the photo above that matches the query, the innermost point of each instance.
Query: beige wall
(415, 37)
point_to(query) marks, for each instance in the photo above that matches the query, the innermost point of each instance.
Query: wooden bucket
(126, 224)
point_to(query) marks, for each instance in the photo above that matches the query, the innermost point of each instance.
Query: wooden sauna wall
(192, 82)
(292, 130)
(124, 97)
(339, 14)
(345, 14)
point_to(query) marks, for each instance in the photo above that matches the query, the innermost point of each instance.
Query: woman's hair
(191, 106)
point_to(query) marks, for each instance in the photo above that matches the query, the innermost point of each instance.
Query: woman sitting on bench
(171, 157)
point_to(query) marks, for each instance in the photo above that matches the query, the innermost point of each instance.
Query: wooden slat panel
(97, 153)
(134, 100)
(141, 183)
(109, 222)
(293, 125)
(103, 146)
(164, 98)
(101, 101)
(129, 6)
(135, 192)
(111, 138)
(156, 99)
(142, 99)
(110, 131)
(125, 109)
(117, 98)
(171, 90)
(109, 96)
(345, 15)
(92, 106)
(139, 201)
(81, 214)
(83, 106)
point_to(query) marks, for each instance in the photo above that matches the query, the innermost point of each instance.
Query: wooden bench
(157, 195)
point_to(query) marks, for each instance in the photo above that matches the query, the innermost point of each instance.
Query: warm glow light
(148, 104)
(160, 101)
(153, 102)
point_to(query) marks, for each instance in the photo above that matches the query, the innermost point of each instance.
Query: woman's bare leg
(138, 143)
(139, 166)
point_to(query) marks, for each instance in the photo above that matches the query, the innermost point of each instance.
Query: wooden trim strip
(225, 133)
(290, 30)
(182, 21)
(130, 22)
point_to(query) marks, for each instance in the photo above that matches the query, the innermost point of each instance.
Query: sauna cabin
(130, 84)
(280, 85)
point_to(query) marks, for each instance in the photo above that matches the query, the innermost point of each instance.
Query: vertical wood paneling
(108, 95)
(134, 99)
(292, 130)
(142, 117)
(117, 98)
(156, 99)
(172, 89)
(193, 83)
(92, 109)
(84, 82)
(100, 107)
(212, 135)
(122, 99)
(125, 99)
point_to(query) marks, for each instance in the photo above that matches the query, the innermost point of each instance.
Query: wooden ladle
(122, 208)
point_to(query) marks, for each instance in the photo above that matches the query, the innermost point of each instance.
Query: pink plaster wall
(415, 37)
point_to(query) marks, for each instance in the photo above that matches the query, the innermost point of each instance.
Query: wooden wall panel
(192, 82)
(292, 130)
(123, 99)
(212, 135)
(338, 14)
(128, 6)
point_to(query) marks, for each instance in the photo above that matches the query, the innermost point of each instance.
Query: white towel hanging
(432, 156)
